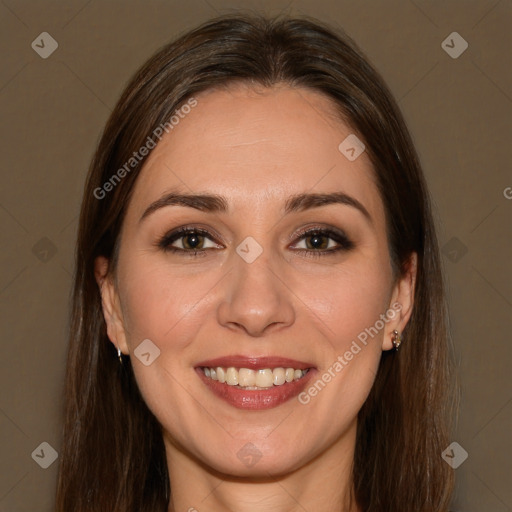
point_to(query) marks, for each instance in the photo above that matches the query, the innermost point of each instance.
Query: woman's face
(284, 265)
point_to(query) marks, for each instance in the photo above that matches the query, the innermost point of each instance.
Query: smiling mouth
(248, 379)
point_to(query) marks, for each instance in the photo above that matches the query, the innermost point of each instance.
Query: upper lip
(255, 363)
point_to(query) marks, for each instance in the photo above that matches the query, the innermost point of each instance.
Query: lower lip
(256, 400)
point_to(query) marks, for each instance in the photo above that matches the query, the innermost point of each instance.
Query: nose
(256, 299)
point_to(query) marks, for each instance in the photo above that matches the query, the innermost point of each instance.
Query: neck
(323, 484)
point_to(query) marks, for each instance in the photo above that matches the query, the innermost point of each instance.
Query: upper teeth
(254, 379)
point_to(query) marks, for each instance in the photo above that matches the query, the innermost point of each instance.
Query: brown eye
(192, 241)
(188, 240)
(317, 241)
(325, 242)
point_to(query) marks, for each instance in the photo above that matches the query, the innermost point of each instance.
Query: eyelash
(344, 243)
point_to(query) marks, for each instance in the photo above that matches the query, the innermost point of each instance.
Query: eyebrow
(306, 201)
(202, 202)
(213, 203)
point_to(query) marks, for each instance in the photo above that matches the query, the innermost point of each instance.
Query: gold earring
(396, 339)
(119, 354)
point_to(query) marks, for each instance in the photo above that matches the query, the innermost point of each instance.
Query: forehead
(256, 145)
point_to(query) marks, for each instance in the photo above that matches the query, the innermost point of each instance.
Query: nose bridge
(253, 279)
(255, 298)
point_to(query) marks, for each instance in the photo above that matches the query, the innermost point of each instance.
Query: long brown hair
(112, 456)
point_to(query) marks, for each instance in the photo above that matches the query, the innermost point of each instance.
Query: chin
(250, 462)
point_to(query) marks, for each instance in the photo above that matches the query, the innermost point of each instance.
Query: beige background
(53, 110)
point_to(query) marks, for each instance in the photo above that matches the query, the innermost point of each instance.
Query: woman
(255, 244)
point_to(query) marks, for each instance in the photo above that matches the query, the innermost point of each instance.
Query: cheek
(158, 304)
(169, 309)
(351, 306)
(348, 301)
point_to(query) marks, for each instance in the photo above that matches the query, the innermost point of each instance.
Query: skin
(256, 148)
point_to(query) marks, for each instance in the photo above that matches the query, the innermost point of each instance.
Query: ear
(110, 304)
(402, 302)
